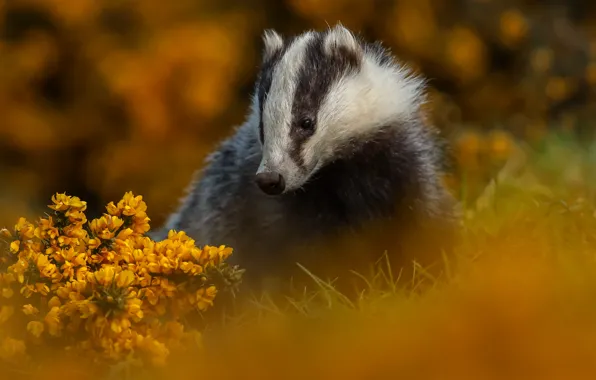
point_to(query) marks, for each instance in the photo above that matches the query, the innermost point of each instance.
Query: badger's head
(320, 92)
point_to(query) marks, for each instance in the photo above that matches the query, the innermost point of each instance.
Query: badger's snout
(271, 183)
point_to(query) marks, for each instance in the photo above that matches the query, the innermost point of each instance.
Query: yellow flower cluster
(101, 288)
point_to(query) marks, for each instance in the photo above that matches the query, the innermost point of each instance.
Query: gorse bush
(100, 290)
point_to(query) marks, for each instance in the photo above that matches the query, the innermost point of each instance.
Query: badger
(336, 148)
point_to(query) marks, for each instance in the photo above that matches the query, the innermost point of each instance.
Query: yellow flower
(42, 288)
(124, 234)
(133, 308)
(104, 276)
(75, 231)
(27, 291)
(217, 254)
(65, 291)
(63, 202)
(11, 348)
(166, 265)
(7, 292)
(150, 296)
(52, 321)
(225, 252)
(71, 256)
(87, 308)
(5, 313)
(140, 225)
(18, 269)
(81, 273)
(76, 216)
(14, 246)
(205, 297)
(93, 243)
(143, 278)
(213, 252)
(80, 259)
(131, 205)
(167, 288)
(124, 279)
(46, 269)
(35, 328)
(66, 241)
(191, 268)
(67, 269)
(113, 209)
(54, 302)
(30, 310)
(119, 324)
(4, 232)
(106, 226)
(25, 229)
(45, 229)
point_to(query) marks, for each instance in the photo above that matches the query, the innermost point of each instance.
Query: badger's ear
(272, 42)
(340, 40)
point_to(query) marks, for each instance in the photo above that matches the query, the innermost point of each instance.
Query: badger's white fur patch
(277, 112)
(358, 104)
(272, 42)
(338, 37)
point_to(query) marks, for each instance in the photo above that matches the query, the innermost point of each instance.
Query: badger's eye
(307, 124)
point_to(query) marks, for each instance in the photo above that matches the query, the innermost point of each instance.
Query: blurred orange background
(101, 97)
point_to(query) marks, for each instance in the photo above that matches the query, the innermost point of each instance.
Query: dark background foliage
(101, 97)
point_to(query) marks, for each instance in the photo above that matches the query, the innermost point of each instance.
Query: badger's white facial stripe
(277, 111)
(272, 42)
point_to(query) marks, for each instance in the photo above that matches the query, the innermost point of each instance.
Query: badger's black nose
(271, 183)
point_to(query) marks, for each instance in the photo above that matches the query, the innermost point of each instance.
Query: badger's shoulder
(235, 159)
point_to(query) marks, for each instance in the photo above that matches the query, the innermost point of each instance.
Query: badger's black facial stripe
(318, 73)
(265, 79)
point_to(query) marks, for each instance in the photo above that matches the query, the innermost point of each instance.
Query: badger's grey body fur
(363, 158)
